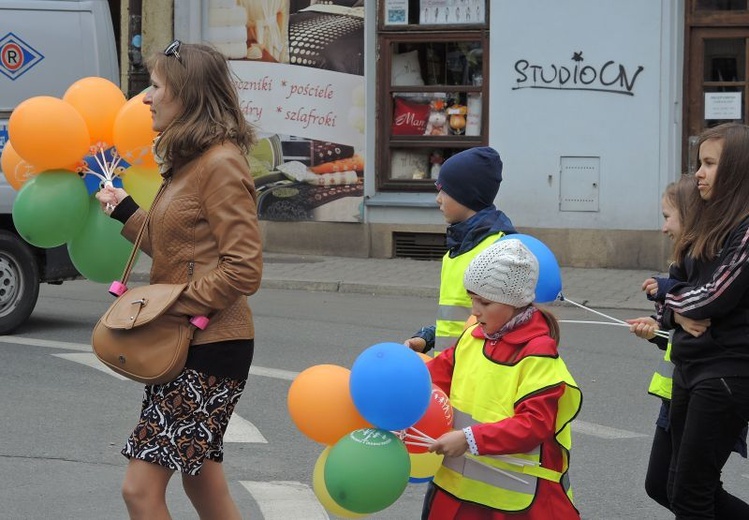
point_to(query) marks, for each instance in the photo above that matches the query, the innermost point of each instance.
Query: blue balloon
(390, 386)
(93, 183)
(549, 285)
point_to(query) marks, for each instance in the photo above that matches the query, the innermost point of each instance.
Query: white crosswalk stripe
(242, 430)
(603, 432)
(281, 500)
(90, 360)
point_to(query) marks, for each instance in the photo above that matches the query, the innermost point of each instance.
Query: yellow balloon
(424, 465)
(321, 491)
(141, 184)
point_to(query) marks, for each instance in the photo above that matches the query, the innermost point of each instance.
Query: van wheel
(19, 282)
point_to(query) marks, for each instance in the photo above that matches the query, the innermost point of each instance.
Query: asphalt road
(64, 417)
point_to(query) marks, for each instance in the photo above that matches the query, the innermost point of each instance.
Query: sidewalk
(595, 288)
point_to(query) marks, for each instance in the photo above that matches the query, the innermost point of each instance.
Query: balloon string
(114, 164)
(97, 174)
(111, 165)
(107, 166)
(422, 434)
(106, 174)
(418, 438)
(403, 435)
(103, 166)
(661, 333)
(414, 443)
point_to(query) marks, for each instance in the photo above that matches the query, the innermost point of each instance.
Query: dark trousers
(706, 420)
(656, 479)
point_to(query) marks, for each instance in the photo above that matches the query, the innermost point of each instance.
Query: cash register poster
(299, 72)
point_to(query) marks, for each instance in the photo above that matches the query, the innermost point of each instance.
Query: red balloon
(436, 421)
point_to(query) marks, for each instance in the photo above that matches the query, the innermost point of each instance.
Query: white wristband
(472, 447)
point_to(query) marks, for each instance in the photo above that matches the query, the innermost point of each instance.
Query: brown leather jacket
(204, 231)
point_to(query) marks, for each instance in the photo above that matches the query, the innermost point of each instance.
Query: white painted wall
(636, 137)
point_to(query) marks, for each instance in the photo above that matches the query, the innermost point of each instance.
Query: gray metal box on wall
(579, 181)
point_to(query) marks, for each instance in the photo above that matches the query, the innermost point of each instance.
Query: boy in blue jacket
(467, 185)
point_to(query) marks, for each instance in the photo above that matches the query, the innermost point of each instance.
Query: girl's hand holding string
(644, 327)
(450, 444)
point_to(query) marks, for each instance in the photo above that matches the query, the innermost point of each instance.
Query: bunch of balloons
(364, 416)
(60, 152)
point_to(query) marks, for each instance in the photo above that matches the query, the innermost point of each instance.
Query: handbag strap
(139, 236)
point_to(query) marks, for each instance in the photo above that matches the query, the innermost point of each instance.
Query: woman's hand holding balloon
(109, 197)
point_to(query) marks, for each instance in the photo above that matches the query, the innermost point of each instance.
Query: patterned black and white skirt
(182, 423)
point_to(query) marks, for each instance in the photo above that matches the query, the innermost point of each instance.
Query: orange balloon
(426, 358)
(321, 406)
(48, 132)
(98, 100)
(16, 170)
(133, 133)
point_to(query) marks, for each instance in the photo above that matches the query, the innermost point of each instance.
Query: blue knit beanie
(472, 177)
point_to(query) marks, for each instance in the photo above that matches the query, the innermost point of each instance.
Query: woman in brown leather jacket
(203, 230)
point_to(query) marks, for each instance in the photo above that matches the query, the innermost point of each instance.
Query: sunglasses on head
(173, 50)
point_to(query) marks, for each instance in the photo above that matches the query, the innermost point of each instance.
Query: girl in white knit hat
(513, 398)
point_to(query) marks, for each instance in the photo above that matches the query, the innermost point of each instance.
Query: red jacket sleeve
(441, 369)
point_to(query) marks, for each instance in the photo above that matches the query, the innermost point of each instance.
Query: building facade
(591, 104)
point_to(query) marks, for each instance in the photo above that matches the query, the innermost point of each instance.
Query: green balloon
(98, 251)
(50, 208)
(367, 470)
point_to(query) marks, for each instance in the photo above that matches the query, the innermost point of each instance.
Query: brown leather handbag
(135, 337)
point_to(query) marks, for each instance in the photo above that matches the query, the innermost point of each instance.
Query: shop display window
(432, 97)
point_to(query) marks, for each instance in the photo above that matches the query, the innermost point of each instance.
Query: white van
(45, 46)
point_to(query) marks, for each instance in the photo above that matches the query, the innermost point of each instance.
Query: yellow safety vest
(484, 392)
(662, 381)
(454, 304)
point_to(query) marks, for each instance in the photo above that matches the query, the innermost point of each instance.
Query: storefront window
(724, 59)
(721, 5)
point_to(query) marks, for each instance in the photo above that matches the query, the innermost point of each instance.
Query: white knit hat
(505, 272)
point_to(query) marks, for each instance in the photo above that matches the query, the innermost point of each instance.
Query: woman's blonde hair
(198, 76)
